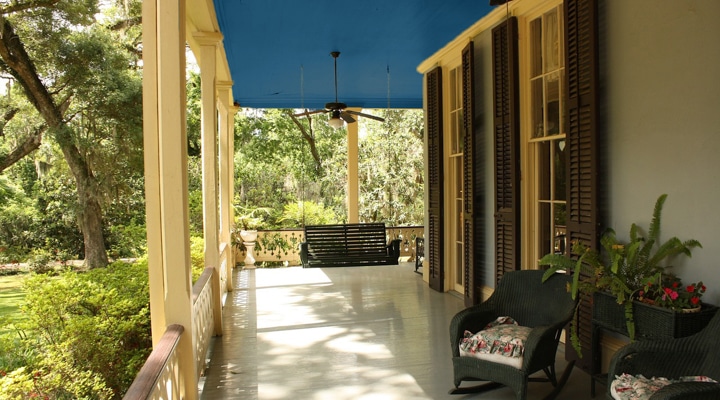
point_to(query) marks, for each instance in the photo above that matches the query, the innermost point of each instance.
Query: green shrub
(40, 262)
(197, 257)
(127, 241)
(86, 335)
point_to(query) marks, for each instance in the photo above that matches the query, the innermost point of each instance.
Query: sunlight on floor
(306, 325)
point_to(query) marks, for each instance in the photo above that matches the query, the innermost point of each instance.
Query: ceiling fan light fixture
(336, 122)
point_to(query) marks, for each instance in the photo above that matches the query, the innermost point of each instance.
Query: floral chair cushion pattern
(501, 341)
(638, 387)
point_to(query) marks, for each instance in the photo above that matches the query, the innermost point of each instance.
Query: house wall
(659, 124)
(661, 120)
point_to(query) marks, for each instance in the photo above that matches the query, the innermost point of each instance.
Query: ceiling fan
(338, 111)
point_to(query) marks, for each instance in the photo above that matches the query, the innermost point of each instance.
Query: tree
(77, 74)
(391, 169)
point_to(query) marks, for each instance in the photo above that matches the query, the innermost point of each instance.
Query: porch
(341, 333)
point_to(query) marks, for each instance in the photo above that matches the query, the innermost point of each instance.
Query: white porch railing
(160, 377)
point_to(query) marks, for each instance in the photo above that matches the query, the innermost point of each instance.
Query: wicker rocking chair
(696, 355)
(546, 308)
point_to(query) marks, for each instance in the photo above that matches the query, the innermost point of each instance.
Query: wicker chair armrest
(688, 391)
(542, 339)
(666, 358)
(472, 319)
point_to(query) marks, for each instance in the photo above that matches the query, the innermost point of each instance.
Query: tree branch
(30, 144)
(307, 135)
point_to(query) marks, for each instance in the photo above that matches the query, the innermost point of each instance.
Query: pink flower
(674, 295)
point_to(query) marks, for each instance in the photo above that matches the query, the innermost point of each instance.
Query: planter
(651, 322)
(248, 235)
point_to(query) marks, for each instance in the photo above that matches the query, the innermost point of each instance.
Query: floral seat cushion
(638, 387)
(501, 341)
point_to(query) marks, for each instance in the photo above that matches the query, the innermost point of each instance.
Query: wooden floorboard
(374, 332)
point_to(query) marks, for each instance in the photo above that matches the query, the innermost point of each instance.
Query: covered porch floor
(343, 333)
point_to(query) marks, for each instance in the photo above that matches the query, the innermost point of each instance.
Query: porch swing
(348, 244)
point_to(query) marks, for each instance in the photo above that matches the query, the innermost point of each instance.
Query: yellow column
(208, 42)
(166, 189)
(226, 122)
(353, 184)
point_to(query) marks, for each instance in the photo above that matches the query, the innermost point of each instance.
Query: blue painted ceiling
(279, 50)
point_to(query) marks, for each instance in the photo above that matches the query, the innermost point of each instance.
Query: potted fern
(618, 276)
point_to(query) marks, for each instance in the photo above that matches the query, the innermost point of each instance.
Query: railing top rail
(144, 383)
(201, 282)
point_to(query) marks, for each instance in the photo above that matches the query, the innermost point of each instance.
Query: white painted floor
(350, 333)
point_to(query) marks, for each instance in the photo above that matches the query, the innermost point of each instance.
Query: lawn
(11, 295)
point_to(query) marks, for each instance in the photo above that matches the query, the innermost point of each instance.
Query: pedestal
(249, 259)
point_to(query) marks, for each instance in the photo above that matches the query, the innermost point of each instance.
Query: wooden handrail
(144, 384)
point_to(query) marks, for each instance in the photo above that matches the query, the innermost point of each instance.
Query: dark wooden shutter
(435, 179)
(582, 144)
(507, 157)
(468, 103)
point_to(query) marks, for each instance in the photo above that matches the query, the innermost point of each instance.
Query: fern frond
(654, 233)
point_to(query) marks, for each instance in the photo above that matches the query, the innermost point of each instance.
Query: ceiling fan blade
(306, 113)
(376, 118)
(347, 117)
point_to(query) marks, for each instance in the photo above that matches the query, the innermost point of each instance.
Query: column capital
(208, 38)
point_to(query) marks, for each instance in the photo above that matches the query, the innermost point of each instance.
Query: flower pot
(651, 322)
(248, 235)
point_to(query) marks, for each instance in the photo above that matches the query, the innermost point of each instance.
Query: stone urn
(249, 237)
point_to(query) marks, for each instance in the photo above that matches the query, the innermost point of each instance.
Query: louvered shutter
(435, 179)
(468, 105)
(582, 144)
(507, 157)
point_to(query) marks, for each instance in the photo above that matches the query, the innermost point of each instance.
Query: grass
(11, 295)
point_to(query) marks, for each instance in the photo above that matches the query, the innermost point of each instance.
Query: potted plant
(623, 272)
(250, 219)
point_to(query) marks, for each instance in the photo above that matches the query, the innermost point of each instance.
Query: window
(546, 133)
(457, 136)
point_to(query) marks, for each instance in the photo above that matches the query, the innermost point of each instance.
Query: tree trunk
(17, 62)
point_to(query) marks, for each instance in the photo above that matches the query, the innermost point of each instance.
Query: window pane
(461, 130)
(552, 97)
(559, 219)
(537, 109)
(559, 173)
(551, 41)
(543, 170)
(536, 48)
(545, 240)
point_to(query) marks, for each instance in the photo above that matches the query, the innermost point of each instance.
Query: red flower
(695, 300)
(675, 285)
(703, 288)
(690, 288)
(668, 290)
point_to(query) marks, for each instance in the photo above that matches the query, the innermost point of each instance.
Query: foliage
(86, 112)
(391, 169)
(303, 213)
(197, 257)
(39, 262)
(623, 269)
(86, 335)
(251, 218)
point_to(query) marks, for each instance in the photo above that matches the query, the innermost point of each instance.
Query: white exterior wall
(661, 117)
